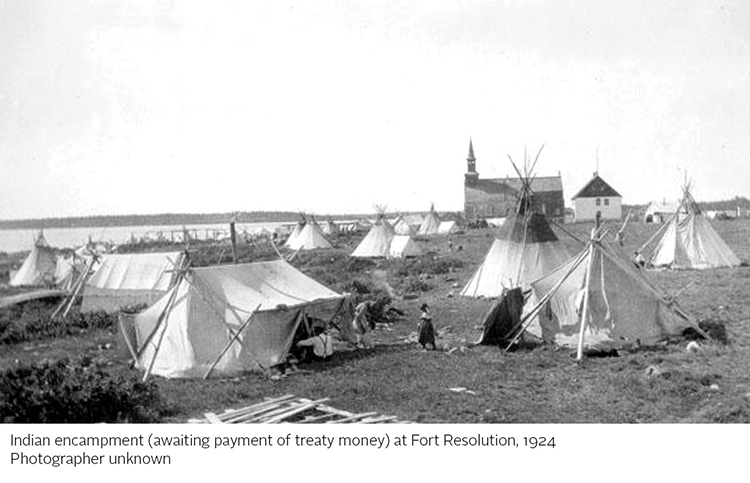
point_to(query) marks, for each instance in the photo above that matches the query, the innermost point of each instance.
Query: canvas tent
(600, 300)
(448, 227)
(330, 228)
(296, 231)
(403, 246)
(126, 280)
(226, 319)
(39, 266)
(688, 241)
(310, 238)
(401, 226)
(377, 242)
(431, 223)
(524, 249)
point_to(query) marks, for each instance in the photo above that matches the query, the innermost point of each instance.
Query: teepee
(401, 226)
(600, 300)
(310, 238)
(296, 231)
(688, 241)
(431, 223)
(524, 249)
(39, 266)
(377, 242)
(330, 228)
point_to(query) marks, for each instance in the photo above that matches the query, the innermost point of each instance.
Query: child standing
(426, 329)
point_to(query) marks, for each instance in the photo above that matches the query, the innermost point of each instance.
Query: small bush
(416, 285)
(32, 321)
(75, 392)
(429, 265)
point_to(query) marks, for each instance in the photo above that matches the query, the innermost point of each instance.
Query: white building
(597, 197)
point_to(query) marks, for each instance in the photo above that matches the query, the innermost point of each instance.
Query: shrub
(75, 392)
(32, 321)
(415, 284)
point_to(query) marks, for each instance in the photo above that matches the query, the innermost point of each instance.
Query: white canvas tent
(688, 241)
(377, 242)
(330, 227)
(524, 249)
(39, 266)
(295, 232)
(226, 319)
(310, 238)
(448, 227)
(431, 223)
(403, 246)
(126, 280)
(600, 300)
(401, 226)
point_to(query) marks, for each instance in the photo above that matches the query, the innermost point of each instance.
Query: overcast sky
(114, 107)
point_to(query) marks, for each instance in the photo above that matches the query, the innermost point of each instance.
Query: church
(496, 198)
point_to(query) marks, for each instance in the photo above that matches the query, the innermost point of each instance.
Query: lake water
(20, 240)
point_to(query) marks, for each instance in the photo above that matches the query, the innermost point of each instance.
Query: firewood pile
(292, 409)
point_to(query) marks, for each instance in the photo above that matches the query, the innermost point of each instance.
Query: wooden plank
(286, 414)
(212, 418)
(354, 418)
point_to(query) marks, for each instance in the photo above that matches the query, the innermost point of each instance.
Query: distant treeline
(165, 219)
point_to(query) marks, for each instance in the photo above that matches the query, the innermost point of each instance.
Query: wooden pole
(233, 239)
(231, 341)
(586, 297)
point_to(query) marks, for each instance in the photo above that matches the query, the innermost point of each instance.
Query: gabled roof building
(597, 197)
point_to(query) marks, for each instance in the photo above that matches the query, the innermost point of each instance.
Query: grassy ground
(658, 384)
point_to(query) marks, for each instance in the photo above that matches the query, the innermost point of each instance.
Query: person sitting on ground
(638, 260)
(321, 344)
(361, 324)
(426, 329)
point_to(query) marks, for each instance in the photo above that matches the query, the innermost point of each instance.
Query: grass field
(657, 384)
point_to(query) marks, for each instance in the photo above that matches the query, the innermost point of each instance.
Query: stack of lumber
(292, 409)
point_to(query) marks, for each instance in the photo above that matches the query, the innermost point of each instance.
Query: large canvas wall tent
(39, 266)
(222, 320)
(310, 238)
(524, 249)
(431, 223)
(600, 300)
(128, 280)
(688, 241)
(403, 246)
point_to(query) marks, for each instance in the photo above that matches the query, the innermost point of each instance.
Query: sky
(154, 106)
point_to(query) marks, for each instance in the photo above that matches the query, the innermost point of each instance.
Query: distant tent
(524, 249)
(688, 241)
(39, 266)
(448, 227)
(129, 280)
(377, 242)
(310, 238)
(330, 228)
(403, 246)
(296, 231)
(227, 319)
(68, 270)
(620, 306)
(401, 226)
(431, 223)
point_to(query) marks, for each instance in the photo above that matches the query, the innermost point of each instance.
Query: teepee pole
(529, 317)
(586, 297)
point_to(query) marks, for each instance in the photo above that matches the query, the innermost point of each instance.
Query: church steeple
(471, 176)
(471, 160)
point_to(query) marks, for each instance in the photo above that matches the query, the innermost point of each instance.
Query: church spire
(471, 160)
(471, 176)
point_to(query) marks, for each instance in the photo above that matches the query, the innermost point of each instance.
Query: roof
(272, 285)
(135, 271)
(597, 188)
(539, 184)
